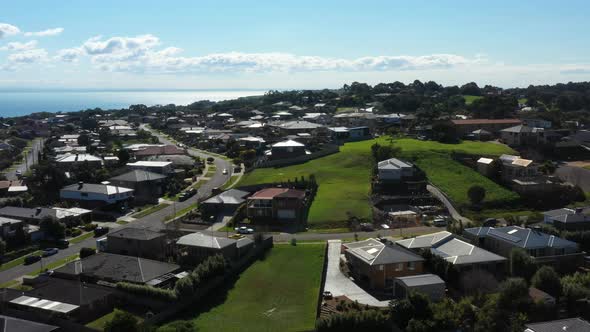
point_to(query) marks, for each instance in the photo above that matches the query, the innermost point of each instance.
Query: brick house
(378, 264)
(277, 203)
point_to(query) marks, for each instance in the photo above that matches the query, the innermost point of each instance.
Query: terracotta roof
(270, 193)
(486, 121)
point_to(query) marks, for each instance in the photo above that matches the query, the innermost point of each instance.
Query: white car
(224, 171)
(385, 226)
(244, 230)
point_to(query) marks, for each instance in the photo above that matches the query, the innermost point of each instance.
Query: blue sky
(290, 44)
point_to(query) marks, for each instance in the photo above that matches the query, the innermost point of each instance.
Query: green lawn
(344, 177)
(55, 265)
(470, 99)
(230, 182)
(182, 211)
(279, 293)
(81, 237)
(150, 210)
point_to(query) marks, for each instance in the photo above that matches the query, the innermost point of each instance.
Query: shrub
(142, 290)
(76, 232)
(293, 241)
(122, 321)
(85, 252)
(547, 280)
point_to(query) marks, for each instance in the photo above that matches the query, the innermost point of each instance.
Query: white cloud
(28, 56)
(8, 30)
(45, 33)
(69, 54)
(117, 45)
(17, 46)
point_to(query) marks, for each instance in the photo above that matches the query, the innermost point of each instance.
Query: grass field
(182, 211)
(81, 237)
(100, 322)
(18, 261)
(470, 99)
(278, 293)
(344, 177)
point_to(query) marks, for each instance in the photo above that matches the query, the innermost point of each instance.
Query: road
(30, 160)
(445, 200)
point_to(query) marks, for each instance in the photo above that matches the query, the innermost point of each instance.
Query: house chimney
(80, 184)
(37, 210)
(579, 210)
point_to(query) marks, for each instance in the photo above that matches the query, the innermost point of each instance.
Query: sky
(228, 44)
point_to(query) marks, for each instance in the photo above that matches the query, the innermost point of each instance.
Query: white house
(160, 167)
(394, 170)
(99, 193)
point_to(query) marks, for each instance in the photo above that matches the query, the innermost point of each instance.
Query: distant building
(493, 126)
(147, 186)
(195, 247)
(160, 167)
(286, 150)
(227, 201)
(568, 219)
(73, 160)
(394, 170)
(280, 204)
(561, 325)
(430, 285)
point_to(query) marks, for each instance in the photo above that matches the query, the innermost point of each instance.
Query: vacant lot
(278, 293)
(344, 177)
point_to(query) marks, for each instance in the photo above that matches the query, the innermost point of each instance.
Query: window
(399, 267)
(411, 265)
(380, 267)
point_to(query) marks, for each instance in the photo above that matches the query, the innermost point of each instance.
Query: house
(568, 219)
(493, 126)
(544, 248)
(561, 325)
(69, 161)
(227, 201)
(139, 242)
(466, 257)
(430, 285)
(425, 241)
(523, 135)
(377, 264)
(286, 150)
(514, 167)
(280, 204)
(345, 134)
(195, 247)
(12, 324)
(116, 268)
(481, 135)
(9, 228)
(160, 167)
(394, 170)
(69, 216)
(158, 151)
(96, 195)
(251, 142)
(299, 126)
(147, 186)
(485, 166)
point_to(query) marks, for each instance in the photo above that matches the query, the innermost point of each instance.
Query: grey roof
(519, 129)
(205, 241)
(572, 218)
(232, 196)
(138, 176)
(477, 231)
(92, 188)
(116, 268)
(11, 324)
(562, 325)
(374, 252)
(528, 238)
(4, 220)
(459, 252)
(299, 125)
(425, 241)
(243, 242)
(135, 233)
(558, 212)
(421, 280)
(27, 213)
(393, 163)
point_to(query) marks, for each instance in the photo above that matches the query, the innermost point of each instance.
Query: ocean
(19, 103)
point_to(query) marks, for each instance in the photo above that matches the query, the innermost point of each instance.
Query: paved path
(31, 159)
(338, 284)
(447, 202)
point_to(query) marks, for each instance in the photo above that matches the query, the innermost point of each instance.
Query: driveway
(448, 204)
(339, 285)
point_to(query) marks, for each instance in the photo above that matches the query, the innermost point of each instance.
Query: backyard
(277, 293)
(344, 177)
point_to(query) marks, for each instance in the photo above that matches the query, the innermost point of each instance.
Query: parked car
(32, 259)
(62, 243)
(224, 171)
(439, 222)
(244, 230)
(49, 252)
(100, 230)
(328, 295)
(187, 194)
(385, 226)
(367, 227)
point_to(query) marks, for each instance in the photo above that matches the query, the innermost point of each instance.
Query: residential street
(31, 159)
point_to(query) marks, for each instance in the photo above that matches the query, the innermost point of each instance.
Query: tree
(178, 326)
(52, 228)
(84, 140)
(521, 264)
(476, 194)
(122, 321)
(444, 131)
(547, 280)
(184, 288)
(123, 156)
(85, 252)
(471, 89)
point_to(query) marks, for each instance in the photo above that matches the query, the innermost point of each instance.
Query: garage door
(286, 214)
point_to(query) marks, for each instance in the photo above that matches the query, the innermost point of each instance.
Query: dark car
(32, 259)
(490, 222)
(100, 230)
(63, 243)
(187, 194)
